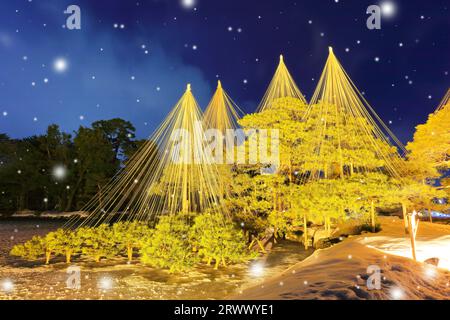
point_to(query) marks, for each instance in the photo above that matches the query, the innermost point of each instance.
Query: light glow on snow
(7, 285)
(257, 269)
(105, 283)
(397, 293)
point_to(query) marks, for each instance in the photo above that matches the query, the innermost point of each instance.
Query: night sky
(132, 59)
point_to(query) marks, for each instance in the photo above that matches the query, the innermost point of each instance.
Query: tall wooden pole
(405, 217)
(413, 224)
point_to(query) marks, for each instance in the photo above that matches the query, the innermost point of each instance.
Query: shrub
(217, 239)
(31, 250)
(67, 243)
(130, 236)
(169, 245)
(97, 242)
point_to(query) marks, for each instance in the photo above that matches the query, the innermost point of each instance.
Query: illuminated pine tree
(169, 246)
(98, 242)
(217, 240)
(284, 115)
(281, 86)
(429, 152)
(169, 174)
(130, 236)
(349, 152)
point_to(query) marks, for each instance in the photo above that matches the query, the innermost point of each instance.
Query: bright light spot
(59, 172)
(397, 293)
(430, 271)
(377, 59)
(105, 283)
(45, 200)
(60, 65)
(7, 285)
(188, 3)
(5, 113)
(257, 269)
(388, 8)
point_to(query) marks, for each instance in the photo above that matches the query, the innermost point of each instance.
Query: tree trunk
(305, 231)
(100, 195)
(47, 256)
(223, 262)
(216, 266)
(130, 253)
(405, 218)
(68, 256)
(431, 217)
(291, 177)
(209, 261)
(372, 216)
(251, 244)
(261, 246)
(329, 226)
(73, 192)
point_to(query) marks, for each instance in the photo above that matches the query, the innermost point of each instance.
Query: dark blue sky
(138, 71)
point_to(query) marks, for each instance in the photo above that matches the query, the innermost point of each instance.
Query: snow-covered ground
(341, 272)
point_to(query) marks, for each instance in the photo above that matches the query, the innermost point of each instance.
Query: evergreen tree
(31, 250)
(130, 236)
(98, 242)
(215, 238)
(430, 149)
(169, 246)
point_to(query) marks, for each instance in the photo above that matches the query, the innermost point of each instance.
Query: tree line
(86, 160)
